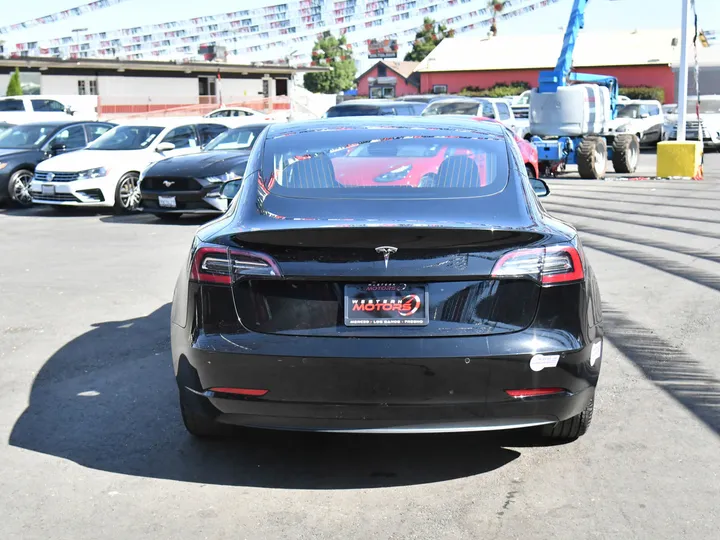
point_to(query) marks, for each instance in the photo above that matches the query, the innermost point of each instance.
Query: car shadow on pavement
(108, 400)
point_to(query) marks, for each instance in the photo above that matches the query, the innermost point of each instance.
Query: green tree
(426, 39)
(335, 54)
(14, 88)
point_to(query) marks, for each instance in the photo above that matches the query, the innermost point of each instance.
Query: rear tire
(168, 217)
(591, 157)
(572, 428)
(19, 187)
(626, 152)
(197, 422)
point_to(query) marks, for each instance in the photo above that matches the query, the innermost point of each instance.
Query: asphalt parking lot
(92, 445)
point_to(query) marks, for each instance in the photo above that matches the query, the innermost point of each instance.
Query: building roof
(150, 65)
(404, 69)
(541, 51)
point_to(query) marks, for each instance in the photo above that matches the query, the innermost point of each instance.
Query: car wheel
(127, 193)
(626, 152)
(530, 171)
(168, 217)
(19, 187)
(198, 422)
(572, 428)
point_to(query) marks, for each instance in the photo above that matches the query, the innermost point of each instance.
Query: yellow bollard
(675, 158)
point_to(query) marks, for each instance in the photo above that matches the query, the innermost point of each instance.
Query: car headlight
(92, 173)
(227, 177)
(2, 165)
(395, 174)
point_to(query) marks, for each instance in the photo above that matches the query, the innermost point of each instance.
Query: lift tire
(626, 152)
(591, 157)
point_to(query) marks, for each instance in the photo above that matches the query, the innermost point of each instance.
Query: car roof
(252, 125)
(60, 123)
(467, 99)
(378, 102)
(391, 122)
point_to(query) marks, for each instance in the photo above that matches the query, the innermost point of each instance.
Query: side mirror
(57, 148)
(70, 111)
(230, 189)
(164, 147)
(644, 116)
(540, 188)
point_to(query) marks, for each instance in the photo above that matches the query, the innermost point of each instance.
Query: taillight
(549, 265)
(224, 265)
(535, 392)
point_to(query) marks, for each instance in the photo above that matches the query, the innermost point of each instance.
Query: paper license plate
(386, 304)
(48, 189)
(167, 202)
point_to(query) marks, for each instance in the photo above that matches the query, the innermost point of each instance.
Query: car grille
(155, 183)
(521, 113)
(42, 176)
(60, 197)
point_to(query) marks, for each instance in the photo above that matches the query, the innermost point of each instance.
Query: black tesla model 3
(387, 275)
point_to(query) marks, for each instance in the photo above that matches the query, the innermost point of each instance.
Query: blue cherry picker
(569, 113)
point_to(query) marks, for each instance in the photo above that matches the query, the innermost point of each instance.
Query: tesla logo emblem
(167, 183)
(50, 176)
(386, 251)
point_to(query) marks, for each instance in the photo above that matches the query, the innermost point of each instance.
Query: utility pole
(683, 74)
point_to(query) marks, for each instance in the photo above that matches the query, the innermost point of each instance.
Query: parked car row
(163, 167)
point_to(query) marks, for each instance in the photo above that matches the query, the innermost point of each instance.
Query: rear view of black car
(385, 276)
(192, 184)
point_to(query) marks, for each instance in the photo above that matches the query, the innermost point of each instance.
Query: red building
(389, 79)
(640, 58)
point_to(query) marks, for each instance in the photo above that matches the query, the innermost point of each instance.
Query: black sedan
(391, 276)
(191, 184)
(23, 147)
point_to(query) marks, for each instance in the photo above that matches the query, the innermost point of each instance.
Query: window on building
(82, 88)
(382, 70)
(182, 137)
(71, 138)
(503, 111)
(93, 87)
(439, 89)
(47, 105)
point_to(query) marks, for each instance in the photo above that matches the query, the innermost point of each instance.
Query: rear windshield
(385, 163)
(356, 110)
(457, 107)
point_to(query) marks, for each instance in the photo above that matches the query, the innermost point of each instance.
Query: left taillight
(224, 265)
(549, 265)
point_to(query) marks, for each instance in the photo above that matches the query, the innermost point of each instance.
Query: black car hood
(21, 154)
(200, 165)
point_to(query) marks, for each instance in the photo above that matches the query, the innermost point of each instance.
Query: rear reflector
(239, 391)
(212, 265)
(534, 392)
(549, 265)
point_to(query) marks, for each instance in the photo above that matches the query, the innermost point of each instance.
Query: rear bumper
(401, 391)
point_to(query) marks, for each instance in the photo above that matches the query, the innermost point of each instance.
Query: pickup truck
(495, 108)
(25, 109)
(708, 128)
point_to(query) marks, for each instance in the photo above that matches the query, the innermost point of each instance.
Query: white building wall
(63, 85)
(120, 90)
(4, 81)
(239, 89)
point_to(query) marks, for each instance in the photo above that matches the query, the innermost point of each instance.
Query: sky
(600, 15)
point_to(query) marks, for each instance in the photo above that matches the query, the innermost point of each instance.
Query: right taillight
(216, 264)
(549, 265)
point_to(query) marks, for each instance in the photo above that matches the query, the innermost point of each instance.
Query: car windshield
(126, 138)
(384, 163)
(629, 111)
(457, 107)
(27, 136)
(707, 105)
(236, 139)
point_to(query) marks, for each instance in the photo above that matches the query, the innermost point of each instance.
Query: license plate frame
(167, 201)
(47, 189)
(409, 304)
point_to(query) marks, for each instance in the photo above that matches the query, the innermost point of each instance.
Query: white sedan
(240, 115)
(107, 172)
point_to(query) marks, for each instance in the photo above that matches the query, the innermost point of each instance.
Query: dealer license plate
(167, 202)
(386, 304)
(48, 189)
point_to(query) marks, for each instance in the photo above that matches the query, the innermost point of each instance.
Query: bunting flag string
(248, 36)
(60, 15)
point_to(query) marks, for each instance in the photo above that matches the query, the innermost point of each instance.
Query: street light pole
(683, 75)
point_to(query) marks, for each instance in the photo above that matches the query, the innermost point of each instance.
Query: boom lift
(571, 110)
